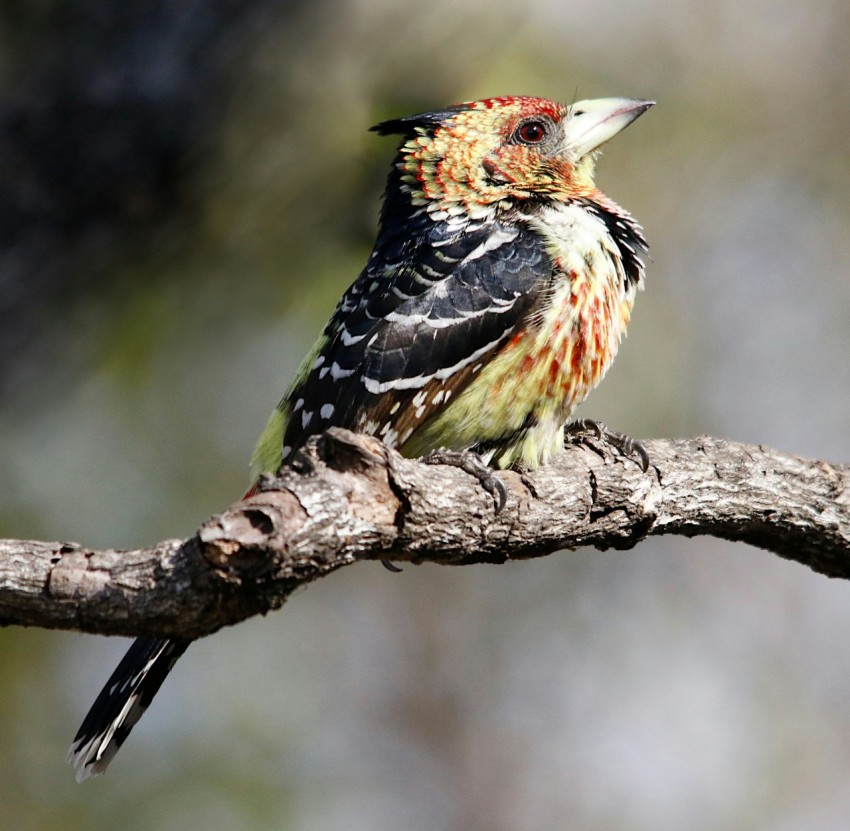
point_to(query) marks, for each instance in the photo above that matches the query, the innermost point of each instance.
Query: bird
(499, 287)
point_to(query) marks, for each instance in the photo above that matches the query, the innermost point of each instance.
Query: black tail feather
(121, 703)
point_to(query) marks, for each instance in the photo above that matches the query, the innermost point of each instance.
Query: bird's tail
(121, 702)
(124, 698)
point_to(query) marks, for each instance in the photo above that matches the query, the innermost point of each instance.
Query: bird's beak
(591, 123)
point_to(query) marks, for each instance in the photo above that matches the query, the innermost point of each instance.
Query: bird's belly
(518, 403)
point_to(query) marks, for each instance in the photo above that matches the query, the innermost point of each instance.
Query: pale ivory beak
(591, 123)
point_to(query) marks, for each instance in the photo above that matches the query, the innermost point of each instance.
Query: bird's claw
(625, 444)
(471, 463)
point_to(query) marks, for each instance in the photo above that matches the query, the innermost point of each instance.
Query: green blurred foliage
(687, 684)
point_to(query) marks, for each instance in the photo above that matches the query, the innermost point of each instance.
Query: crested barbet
(495, 298)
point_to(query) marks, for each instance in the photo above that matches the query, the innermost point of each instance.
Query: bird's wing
(413, 320)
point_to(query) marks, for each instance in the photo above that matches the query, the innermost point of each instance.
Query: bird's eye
(531, 132)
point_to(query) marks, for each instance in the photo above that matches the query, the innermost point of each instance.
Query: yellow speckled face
(499, 148)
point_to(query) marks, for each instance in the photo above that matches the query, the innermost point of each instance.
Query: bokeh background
(186, 188)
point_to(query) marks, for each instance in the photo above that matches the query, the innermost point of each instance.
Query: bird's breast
(519, 400)
(566, 349)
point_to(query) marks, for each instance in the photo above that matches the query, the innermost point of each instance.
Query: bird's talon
(582, 426)
(391, 567)
(499, 492)
(471, 463)
(635, 448)
(625, 444)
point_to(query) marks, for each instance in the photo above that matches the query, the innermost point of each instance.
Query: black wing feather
(417, 313)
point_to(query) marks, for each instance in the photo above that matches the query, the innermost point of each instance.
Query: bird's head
(475, 156)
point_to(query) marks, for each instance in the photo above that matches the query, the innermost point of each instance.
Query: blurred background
(187, 187)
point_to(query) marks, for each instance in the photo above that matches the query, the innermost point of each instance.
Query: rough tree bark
(349, 498)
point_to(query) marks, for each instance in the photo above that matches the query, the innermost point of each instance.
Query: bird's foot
(471, 463)
(628, 446)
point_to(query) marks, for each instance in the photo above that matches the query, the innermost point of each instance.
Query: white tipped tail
(121, 703)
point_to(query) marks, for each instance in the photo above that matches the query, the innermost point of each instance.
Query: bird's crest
(408, 125)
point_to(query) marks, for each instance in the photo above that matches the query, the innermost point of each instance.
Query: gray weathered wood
(349, 498)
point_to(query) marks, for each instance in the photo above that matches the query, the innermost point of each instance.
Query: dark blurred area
(187, 187)
(108, 110)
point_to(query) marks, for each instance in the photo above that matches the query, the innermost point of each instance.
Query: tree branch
(349, 498)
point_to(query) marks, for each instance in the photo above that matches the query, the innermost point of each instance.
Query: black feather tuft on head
(408, 125)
